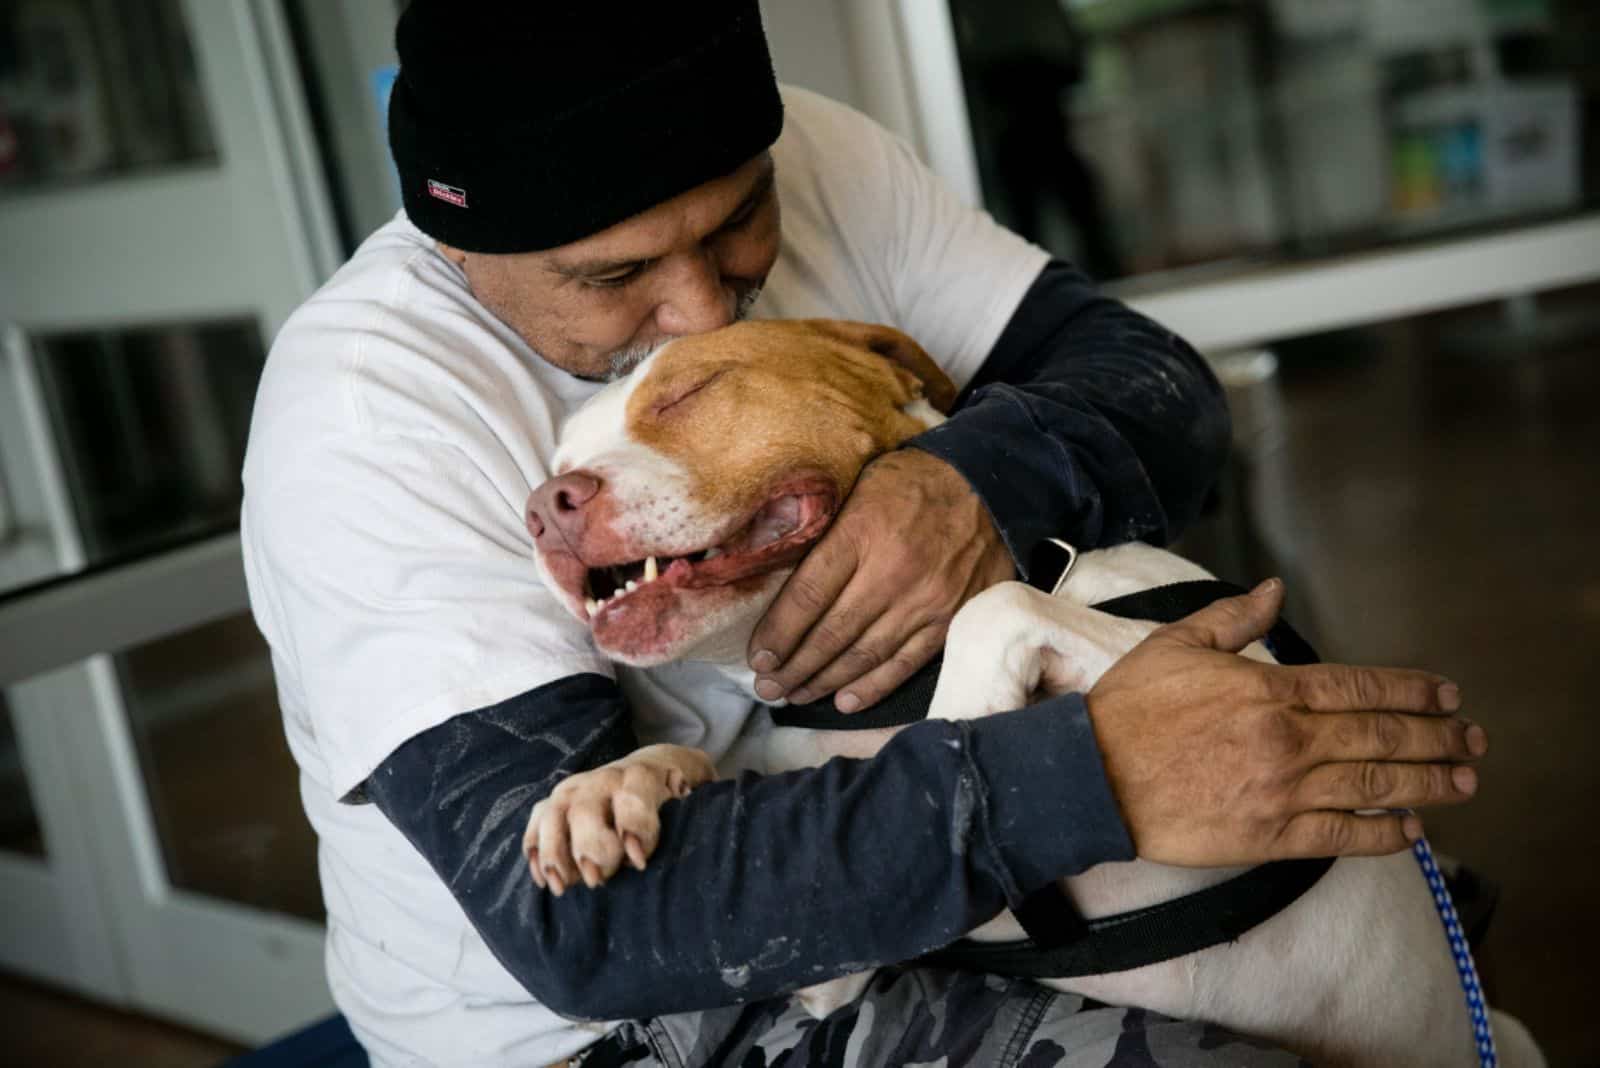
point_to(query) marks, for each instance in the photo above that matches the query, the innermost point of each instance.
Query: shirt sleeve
(1087, 422)
(957, 275)
(760, 885)
(891, 233)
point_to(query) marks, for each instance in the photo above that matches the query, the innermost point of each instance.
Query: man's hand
(871, 603)
(1218, 760)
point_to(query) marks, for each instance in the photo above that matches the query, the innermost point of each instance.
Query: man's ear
(900, 350)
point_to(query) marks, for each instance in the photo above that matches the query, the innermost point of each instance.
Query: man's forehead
(695, 213)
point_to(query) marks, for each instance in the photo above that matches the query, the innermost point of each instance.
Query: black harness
(1060, 943)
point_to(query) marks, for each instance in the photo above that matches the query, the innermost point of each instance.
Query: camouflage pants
(924, 1016)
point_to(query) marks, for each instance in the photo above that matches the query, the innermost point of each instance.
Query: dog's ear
(900, 350)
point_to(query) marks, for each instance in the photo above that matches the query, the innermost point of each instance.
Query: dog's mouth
(777, 534)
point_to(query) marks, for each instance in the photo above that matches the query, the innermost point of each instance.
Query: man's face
(598, 306)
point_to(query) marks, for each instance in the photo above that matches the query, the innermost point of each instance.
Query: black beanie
(526, 125)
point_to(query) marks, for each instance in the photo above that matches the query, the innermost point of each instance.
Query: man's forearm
(759, 885)
(1088, 421)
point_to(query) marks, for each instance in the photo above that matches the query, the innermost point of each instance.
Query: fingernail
(1465, 778)
(802, 696)
(1411, 827)
(764, 660)
(553, 877)
(768, 690)
(847, 702)
(1477, 740)
(1449, 697)
(1266, 587)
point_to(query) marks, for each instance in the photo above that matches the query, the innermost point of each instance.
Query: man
(580, 185)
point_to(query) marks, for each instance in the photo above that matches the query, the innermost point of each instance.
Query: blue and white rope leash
(1467, 971)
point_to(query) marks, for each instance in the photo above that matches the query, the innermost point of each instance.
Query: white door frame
(910, 78)
(249, 236)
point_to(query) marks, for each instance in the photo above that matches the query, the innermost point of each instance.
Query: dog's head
(686, 493)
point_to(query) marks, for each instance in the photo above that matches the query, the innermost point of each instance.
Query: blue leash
(1465, 969)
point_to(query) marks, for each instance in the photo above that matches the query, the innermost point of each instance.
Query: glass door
(161, 213)
(1249, 170)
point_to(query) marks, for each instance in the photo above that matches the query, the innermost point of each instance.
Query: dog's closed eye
(675, 396)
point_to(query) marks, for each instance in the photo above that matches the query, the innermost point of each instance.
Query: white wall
(810, 49)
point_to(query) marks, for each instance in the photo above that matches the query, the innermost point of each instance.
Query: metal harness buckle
(1072, 559)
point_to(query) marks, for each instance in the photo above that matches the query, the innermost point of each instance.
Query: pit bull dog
(684, 496)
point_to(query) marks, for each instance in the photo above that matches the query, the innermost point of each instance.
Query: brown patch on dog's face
(693, 488)
(741, 407)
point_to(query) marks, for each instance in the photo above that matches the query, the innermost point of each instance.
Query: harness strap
(1061, 944)
(1170, 603)
(1171, 929)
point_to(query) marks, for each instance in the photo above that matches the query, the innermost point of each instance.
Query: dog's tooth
(591, 606)
(632, 585)
(650, 572)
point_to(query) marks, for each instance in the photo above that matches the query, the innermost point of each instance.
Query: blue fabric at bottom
(326, 1044)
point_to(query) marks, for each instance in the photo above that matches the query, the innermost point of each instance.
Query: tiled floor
(1434, 501)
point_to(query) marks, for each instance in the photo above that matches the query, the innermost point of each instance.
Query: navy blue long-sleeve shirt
(1087, 422)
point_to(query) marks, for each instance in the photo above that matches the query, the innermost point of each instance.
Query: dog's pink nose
(556, 506)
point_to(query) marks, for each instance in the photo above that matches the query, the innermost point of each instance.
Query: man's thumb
(1233, 622)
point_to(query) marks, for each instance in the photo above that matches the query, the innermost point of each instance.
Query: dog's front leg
(1012, 645)
(595, 819)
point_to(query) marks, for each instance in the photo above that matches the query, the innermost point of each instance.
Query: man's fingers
(839, 633)
(1342, 688)
(805, 597)
(869, 651)
(1373, 784)
(1346, 736)
(1231, 623)
(864, 692)
(839, 649)
(1344, 834)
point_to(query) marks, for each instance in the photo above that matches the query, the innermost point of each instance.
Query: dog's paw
(596, 819)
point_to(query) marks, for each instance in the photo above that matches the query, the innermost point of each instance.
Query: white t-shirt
(397, 432)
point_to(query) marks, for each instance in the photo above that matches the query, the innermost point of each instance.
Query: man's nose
(698, 298)
(555, 514)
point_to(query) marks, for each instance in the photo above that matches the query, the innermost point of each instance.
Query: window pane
(91, 88)
(19, 824)
(222, 785)
(1141, 135)
(146, 434)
